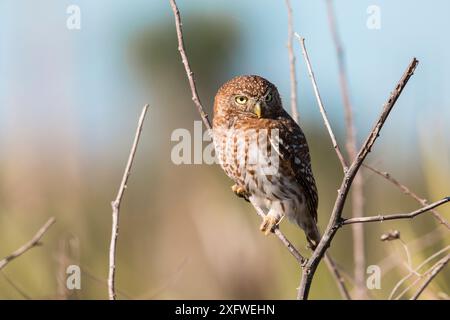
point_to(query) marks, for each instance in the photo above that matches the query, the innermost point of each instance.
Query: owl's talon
(268, 224)
(240, 191)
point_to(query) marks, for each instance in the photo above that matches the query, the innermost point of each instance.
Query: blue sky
(53, 75)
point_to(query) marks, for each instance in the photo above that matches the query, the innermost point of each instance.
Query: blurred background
(69, 103)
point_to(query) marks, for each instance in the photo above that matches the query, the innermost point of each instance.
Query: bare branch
(396, 216)
(357, 196)
(330, 263)
(433, 273)
(421, 243)
(333, 224)
(413, 272)
(29, 245)
(291, 54)
(408, 192)
(337, 276)
(116, 207)
(319, 101)
(187, 67)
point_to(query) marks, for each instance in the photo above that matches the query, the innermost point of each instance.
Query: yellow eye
(269, 97)
(241, 99)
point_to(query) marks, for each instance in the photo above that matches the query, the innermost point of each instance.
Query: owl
(263, 150)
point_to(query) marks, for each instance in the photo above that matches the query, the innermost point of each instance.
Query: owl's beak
(257, 109)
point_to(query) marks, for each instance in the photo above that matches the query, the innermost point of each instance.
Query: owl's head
(248, 96)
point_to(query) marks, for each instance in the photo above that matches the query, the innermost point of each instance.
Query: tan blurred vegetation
(183, 234)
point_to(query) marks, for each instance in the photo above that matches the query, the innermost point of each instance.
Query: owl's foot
(240, 191)
(269, 222)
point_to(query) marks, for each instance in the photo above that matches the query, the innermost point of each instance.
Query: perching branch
(207, 123)
(301, 260)
(333, 225)
(116, 207)
(396, 216)
(408, 192)
(291, 55)
(357, 195)
(319, 102)
(29, 245)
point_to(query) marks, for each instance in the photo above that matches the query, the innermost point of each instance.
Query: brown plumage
(265, 152)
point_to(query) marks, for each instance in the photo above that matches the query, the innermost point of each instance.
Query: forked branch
(409, 192)
(335, 219)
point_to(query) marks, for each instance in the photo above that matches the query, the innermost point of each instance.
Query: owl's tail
(313, 236)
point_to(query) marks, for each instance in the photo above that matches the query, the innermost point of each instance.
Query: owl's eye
(241, 99)
(269, 97)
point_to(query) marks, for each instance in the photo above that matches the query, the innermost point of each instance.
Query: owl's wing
(294, 155)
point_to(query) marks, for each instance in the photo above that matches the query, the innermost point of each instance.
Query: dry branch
(415, 271)
(336, 273)
(29, 245)
(116, 207)
(408, 192)
(396, 216)
(319, 102)
(421, 243)
(333, 224)
(187, 67)
(432, 274)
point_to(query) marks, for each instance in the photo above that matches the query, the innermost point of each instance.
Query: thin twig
(187, 67)
(116, 208)
(423, 242)
(337, 276)
(413, 272)
(434, 271)
(334, 221)
(294, 110)
(30, 244)
(408, 192)
(396, 216)
(357, 195)
(408, 254)
(330, 263)
(319, 102)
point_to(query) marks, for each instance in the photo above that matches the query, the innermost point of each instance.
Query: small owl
(263, 150)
